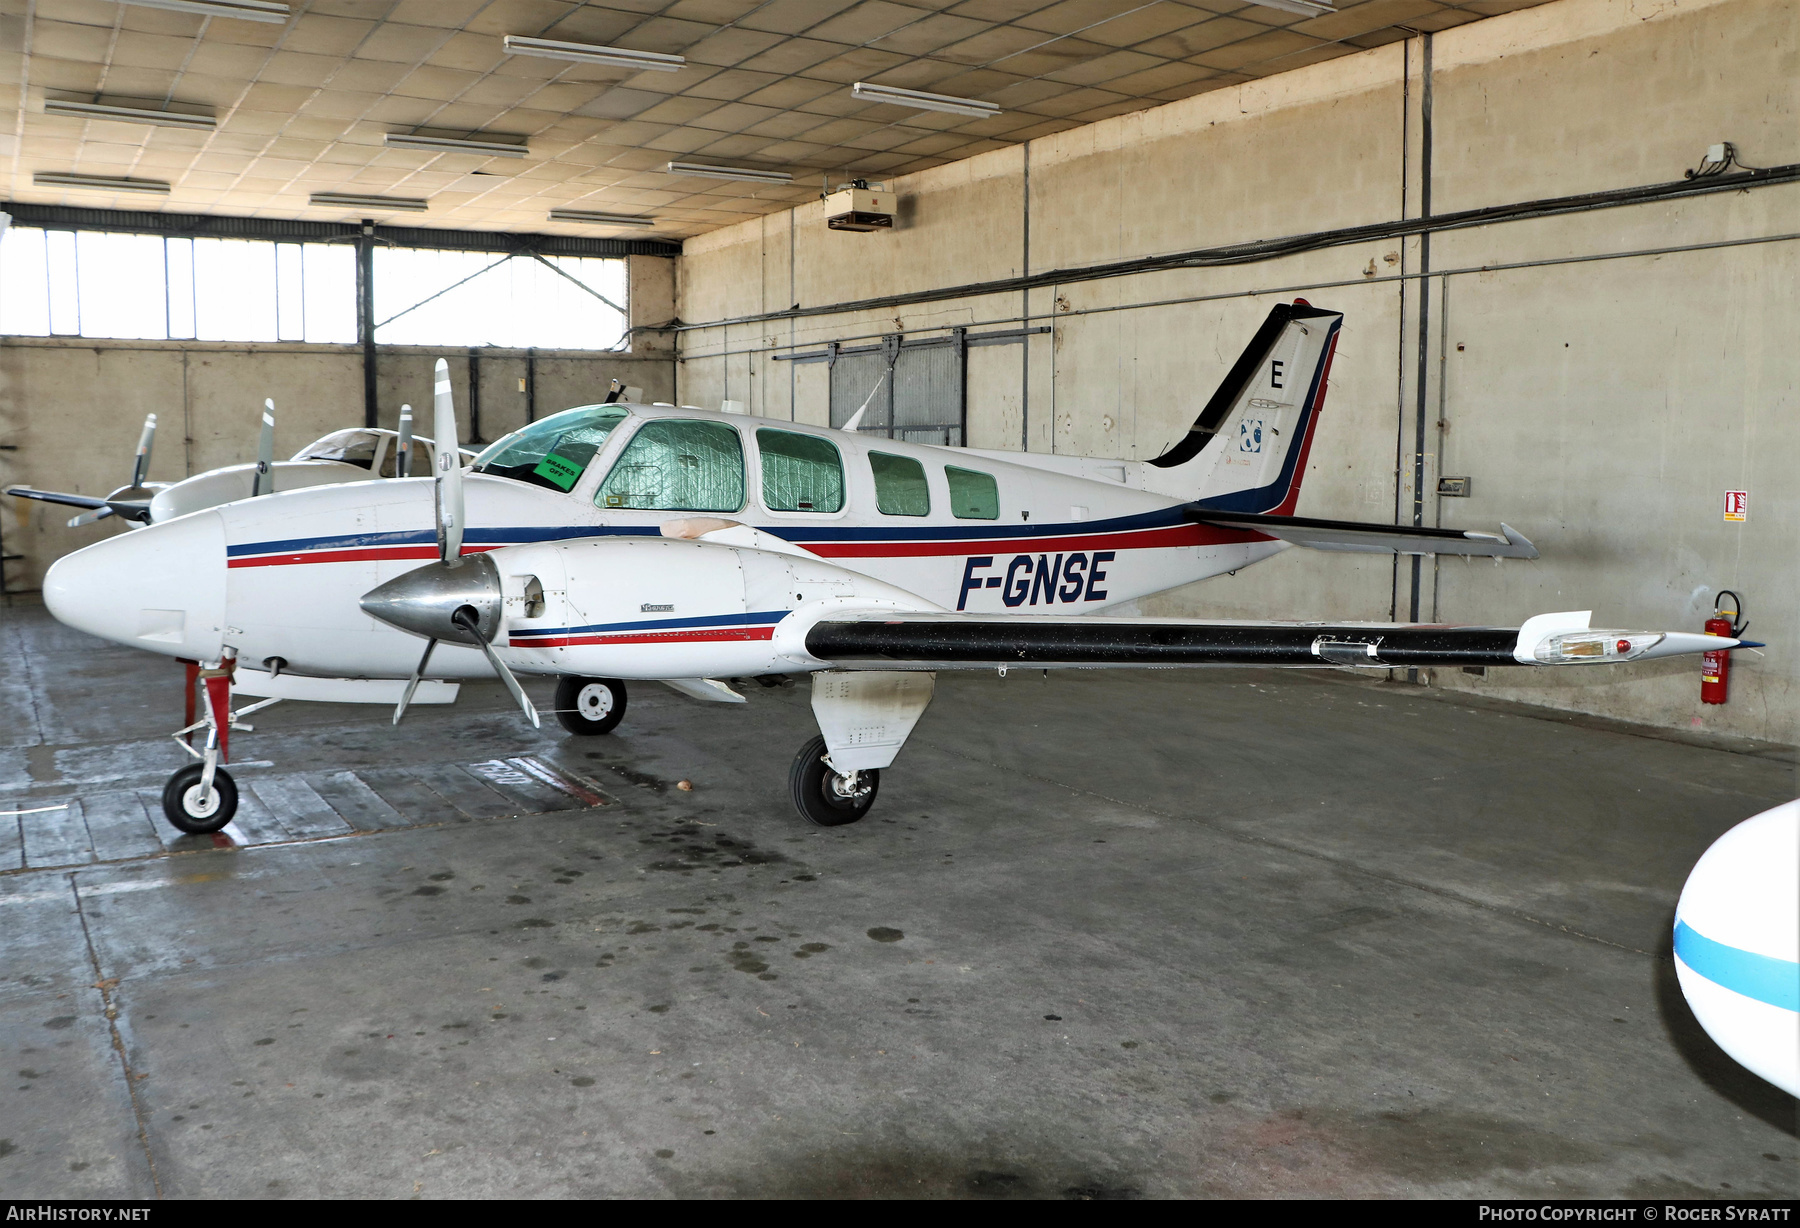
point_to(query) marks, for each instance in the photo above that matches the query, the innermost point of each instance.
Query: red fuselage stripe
(1144, 539)
(350, 556)
(1140, 539)
(724, 634)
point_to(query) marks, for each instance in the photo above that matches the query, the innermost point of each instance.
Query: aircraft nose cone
(161, 588)
(425, 600)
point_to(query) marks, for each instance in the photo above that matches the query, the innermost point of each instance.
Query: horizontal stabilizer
(882, 640)
(1356, 537)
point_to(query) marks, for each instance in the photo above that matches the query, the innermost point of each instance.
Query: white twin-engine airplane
(351, 455)
(623, 541)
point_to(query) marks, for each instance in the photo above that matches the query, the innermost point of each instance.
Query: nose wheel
(590, 706)
(202, 797)
(199, 806)
(825, 796)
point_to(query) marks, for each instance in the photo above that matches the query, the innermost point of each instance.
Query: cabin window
(973, 496)
(800, 473)
(551, 453)
(899, 485)
(678, 465)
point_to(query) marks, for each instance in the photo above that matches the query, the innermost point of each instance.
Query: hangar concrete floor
(1105, 935)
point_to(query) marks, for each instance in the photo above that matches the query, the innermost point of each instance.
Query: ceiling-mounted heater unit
(859, 206)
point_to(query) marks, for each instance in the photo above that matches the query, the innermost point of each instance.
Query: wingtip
(1522, 543)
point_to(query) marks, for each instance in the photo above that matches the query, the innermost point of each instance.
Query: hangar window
(426, 296)
(101, 283)
(552, 453)
(678, 465)
(973, 496)
(800, 473)
(899, 485)
(97, 283)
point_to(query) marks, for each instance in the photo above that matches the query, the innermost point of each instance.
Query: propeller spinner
(456, 599)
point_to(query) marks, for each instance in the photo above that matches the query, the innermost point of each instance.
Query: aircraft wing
(886, 640)
(1355, 536)
(52, 496)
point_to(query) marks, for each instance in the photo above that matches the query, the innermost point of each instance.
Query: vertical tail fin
(1247, 450)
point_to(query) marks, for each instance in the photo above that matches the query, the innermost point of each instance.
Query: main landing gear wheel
(824, 797)
(590, 706)
(185, 807)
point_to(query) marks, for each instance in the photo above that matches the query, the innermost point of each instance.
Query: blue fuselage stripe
(762, 619)
(979, 531)
(1763, 977)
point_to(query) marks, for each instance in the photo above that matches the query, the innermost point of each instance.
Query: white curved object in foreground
(1737, 944)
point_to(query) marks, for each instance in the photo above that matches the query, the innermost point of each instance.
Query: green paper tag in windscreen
(558, 469)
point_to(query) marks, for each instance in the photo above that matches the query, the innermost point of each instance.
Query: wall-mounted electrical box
(860, 206)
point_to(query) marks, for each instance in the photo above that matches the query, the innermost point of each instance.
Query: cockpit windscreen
(351, 447)
(552, 453)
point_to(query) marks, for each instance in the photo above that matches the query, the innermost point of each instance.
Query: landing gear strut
(590, 706)
(202, 797)
(825, 796)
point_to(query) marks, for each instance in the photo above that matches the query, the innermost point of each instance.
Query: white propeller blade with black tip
(462, 619)
(403, 448)
(140, 468)
(265, 452)
(449, 470)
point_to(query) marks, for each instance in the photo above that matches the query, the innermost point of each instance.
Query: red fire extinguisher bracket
(1715, 666)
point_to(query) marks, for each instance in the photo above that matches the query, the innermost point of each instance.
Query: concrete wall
(70, 410)
(1601, 407)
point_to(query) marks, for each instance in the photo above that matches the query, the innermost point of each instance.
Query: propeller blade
(413, 685)
(449, 469)
(140, 468)
(89, 517)
(466, 619)
(265, 452)
(403, 448)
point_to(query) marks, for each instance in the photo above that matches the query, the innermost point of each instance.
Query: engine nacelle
(642, 607)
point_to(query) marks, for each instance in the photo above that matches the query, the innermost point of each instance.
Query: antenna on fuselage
(855, 420)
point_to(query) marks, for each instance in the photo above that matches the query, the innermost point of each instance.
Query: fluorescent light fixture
(744, 173)
(450, 144)
(130, 115)
(243, 10)
(99, 183)
(356, 200)
(922, 101)
(600, 219)
(1306, 8)
(588, 53)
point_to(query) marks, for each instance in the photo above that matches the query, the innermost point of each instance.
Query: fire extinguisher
(1715, 666)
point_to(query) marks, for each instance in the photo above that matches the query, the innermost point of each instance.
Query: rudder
(1247, 450)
